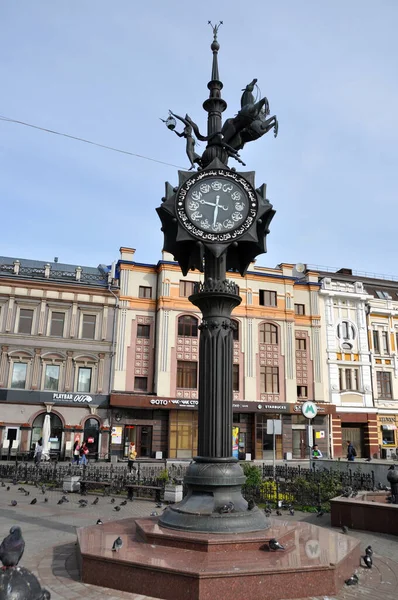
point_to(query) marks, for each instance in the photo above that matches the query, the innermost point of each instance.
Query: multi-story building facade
(361, 337)
(277, 361)
(57, 338)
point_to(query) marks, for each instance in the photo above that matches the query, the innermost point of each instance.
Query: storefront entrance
(55, 435)
(300, 447)
(265, 441)
(355, 435)
(141, 436)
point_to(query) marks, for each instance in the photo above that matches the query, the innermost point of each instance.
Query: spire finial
(215, 29)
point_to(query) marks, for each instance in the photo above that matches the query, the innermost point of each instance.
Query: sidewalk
(49, 533)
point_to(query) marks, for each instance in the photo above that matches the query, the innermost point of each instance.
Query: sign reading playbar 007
(65, 398)
(81, 398)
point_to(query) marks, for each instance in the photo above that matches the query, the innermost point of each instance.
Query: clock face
(217, 205)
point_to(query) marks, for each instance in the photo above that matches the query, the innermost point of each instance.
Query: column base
(212, 486)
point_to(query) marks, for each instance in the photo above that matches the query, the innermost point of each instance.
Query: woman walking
(76, 453)
(83, 454)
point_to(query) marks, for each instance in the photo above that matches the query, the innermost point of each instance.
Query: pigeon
(43, 489)
(99, 522)
(159, 504)
(45, 499)
(113, 501)
(12, 547)
(354, 494)
(353, 580)
(226, 508)
(275, 545)
(320, 513)
(14, 502)
(117, 508)
(21, 489)
(154, 514)
(59, 501)
(367, 559)
(369, 550)
(291, 511)
(65, 499)
(278, 512)
(251, 504)
(117, 544)
(267, 512)
(368, 459)
(344, 529)
(95, 501)
(81, 502)
(3, 484)
(8, 488)
(123, 503)
(27, 493)
(34, 501)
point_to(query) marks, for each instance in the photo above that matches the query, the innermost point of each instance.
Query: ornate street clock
(217, 209)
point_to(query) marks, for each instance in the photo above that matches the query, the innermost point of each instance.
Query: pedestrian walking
(76, 452)
(132, 455)
(38, 451)
(83, 454)
(351, 452)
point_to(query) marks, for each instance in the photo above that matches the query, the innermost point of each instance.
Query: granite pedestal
(179, 565)
(369, 511)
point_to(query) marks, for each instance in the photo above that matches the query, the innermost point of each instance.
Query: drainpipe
(113, 338)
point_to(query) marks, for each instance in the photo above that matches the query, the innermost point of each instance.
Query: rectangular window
(301, 344)
(141, 384)
(341, 379)
(88, 327)
(186, 288)
(143, 331)
(384, 342)
(376, 342)
(57, 324)
(299, 309)
(267, 298)
(383, 384)
(51, 378)
(25, 321)
(235, 378)
(84, 379)
(269, 380)
(187, 374)
(349, 379)
(18, 380)
(302, 391)
(144, 291)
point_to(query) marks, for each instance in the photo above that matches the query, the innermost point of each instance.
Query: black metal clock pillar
(215, 221)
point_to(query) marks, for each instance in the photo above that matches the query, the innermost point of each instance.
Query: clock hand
(204, 202)
(216, 211)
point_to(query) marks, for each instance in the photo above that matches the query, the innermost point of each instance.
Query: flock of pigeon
(13, 545)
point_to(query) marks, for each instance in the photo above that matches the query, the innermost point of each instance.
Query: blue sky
(107, 71)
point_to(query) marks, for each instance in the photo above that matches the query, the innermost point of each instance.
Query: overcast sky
(106, 71)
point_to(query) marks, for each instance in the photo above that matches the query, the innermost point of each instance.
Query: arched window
(55, 435)
(188, 326)
(235, 331)
(346, 331)
(268, 333)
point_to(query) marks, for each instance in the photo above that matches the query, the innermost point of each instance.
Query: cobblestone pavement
(49, 533)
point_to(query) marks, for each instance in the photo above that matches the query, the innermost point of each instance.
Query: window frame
(298, 343)
(298, 308)
(18, 320)
(53, 311)
(142, 292)
(235, 331)
(273, 298)
(181, 374)
(140, 389)
(145, 337)
(235, 377)
(19, 361)
(193, 327)
(344, 328)
(386, 376)
(385, 342)
(302, 387)
(93, 313)
(376, 341)
(273, 332)
(265, 373)
(51, 364)
(183, 284)
(349, 379)
(84, 366)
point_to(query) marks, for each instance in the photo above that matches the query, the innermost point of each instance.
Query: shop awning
(389, 427)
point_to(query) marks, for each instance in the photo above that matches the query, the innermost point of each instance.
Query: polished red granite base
(368, 510)
(175, 565)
